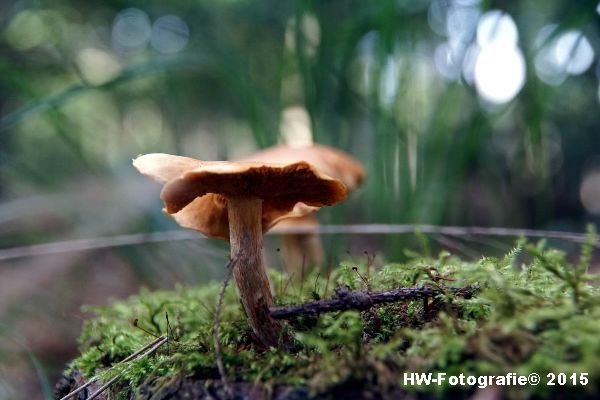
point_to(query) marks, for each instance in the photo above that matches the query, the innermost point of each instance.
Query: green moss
(541, 316)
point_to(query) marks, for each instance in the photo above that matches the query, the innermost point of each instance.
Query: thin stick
(217, 317)
(329, 272)
(169, 330)
(79, 389)
(103, 387)
(345, 299)
(146, 347)
(369, 264)
(487, 241)
(364, 229)
(95, 243)
(434, 229)
(289, 279)
(116, 378)
(129, 358)
(136, 325)
(315, 290)
(302, 274)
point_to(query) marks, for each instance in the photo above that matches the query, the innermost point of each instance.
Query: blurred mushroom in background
(303, 251)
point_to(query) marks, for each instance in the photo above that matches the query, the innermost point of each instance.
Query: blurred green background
(464, 112)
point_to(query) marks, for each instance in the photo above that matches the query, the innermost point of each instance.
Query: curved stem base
(245, 237)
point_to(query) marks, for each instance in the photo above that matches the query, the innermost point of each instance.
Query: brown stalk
(246, 237)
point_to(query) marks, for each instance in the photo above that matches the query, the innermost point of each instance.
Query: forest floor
(530, 312)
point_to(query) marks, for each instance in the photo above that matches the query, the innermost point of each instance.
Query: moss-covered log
(534, 312)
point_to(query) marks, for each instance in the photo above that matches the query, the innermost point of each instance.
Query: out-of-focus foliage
(536, 317)
(88, 86)
(463, 112)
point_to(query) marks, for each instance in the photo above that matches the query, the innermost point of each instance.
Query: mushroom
(239, 201)
(332, 162)
(300, 250)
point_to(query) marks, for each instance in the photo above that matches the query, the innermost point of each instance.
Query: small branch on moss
(346, 299)
(153, 346)
(111, 382)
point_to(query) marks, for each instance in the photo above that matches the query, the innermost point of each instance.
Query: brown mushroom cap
(198, 198)
(330, 161)
(164, 167)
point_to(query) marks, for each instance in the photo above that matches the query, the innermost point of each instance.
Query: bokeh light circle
(570, 53)
(574, 52)
(461, 23)
(131, 30)
(170, 34)
(497, 26)
(445, 62)
(499, 72)
(589, 192)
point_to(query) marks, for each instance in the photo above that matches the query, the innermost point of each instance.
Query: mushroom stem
(245, 237)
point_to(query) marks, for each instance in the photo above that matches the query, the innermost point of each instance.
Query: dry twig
(345, 299)
(217, 343)
(153, 346)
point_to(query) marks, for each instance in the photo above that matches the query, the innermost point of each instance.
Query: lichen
(534, 312)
